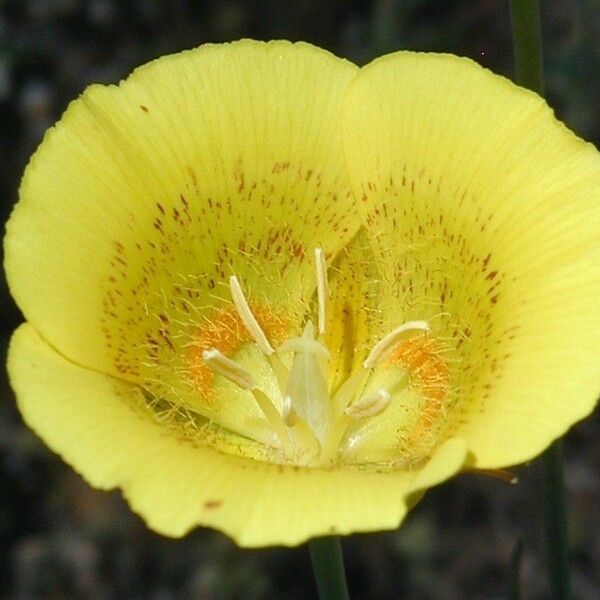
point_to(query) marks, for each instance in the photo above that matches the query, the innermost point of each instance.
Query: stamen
(345, 415)
(274, 418)
(321, 287)
(387, 344)
(370, 406)
(280, 370)
(307, 445)
(346, 392)
(249, 320)
(228, 368)
(290, 416)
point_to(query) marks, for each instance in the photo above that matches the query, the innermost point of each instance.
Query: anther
(391, 340)
(321, 268)
(370, 406)
(249, 320)
(228, 368)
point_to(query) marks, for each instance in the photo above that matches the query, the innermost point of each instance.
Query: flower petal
(551, 368)
(483, 213)
(95, 423)
(145, 198)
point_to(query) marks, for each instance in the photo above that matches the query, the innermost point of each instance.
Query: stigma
(312, 423)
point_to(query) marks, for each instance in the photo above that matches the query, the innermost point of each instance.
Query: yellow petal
(550, 376)
(482, 210)
(145, 198)
(175, 482)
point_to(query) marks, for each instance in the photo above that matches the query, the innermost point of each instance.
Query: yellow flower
(273, 294)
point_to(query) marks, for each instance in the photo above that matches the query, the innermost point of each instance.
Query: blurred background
(60, 539)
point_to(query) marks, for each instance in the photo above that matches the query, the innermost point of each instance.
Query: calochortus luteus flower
(277, 295)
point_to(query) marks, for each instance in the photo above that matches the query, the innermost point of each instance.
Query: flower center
(312, 424)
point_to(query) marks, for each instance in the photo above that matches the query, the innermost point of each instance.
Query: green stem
(525, 17)
(328, 566)
(514, 581)
(555, 518)
(527, 43)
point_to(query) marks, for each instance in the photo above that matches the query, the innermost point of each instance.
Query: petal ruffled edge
(218, 160)
(452, 164)
(91, 420)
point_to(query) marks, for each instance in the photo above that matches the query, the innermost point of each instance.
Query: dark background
(60, 539)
